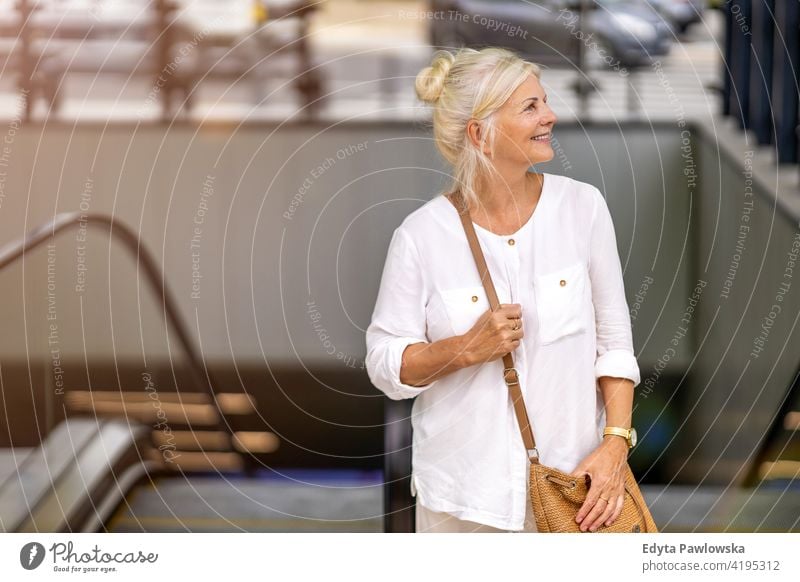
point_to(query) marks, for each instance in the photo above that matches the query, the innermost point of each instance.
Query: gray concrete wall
(294, 222)
(746, 247)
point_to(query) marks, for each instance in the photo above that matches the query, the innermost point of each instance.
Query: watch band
(623, 432)
(619, 431)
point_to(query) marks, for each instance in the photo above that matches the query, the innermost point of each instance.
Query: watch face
(633, 437)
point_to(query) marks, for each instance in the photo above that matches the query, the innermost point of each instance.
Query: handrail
(752, 477)
(16, 249)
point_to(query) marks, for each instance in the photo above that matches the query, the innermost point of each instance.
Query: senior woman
(551, 251)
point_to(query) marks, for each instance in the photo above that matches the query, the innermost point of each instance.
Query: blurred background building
(196, 198)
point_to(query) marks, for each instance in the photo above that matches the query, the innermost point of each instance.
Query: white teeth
(542, 137)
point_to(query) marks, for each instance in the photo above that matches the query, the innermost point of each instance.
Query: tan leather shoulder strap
(510, 374)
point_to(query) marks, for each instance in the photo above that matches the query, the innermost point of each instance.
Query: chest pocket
(561, 303)
(464, 305)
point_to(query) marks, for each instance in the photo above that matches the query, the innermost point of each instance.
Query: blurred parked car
(679, 14)
(616, 33)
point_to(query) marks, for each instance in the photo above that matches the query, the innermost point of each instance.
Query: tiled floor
(278, 501)
(773, 507)
(342, 501)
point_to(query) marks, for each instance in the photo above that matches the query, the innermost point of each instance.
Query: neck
(508, 194)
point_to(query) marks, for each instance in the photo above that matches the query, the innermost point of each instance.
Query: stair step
(792, 421)
(232, 400)
(173, 407)
(244, 441)
(781, 469)
(191, 414)
(193, 440)
(198, 461)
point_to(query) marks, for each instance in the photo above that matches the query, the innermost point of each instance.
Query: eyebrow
(532, 99)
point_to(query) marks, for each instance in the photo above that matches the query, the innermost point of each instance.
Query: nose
(550, 117)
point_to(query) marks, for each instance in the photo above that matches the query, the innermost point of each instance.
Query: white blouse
(563, 267)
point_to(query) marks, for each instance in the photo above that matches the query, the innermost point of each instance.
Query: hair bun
(430, 80)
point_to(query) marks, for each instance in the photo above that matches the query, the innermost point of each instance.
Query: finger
(596, 511)
(617, 510)
(617, 502)
(610, 507)
(591, 498)
(589, 504)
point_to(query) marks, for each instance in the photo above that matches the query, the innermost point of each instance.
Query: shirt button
(511, 241)
(562, 282)
(474, 298)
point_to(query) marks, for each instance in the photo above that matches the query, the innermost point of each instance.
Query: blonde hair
(470, 84)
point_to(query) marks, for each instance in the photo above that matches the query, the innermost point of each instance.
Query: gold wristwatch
(628, 434)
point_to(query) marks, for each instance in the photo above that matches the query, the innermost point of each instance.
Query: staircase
(778, 459)
(184, 428)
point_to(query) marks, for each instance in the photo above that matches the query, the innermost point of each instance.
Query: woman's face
(526, 114)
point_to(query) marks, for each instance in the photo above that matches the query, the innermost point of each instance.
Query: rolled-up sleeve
(398, 319)
(615, 355)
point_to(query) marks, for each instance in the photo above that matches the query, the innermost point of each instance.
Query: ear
(475, 131)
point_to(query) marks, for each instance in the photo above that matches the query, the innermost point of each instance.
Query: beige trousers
(440, 522)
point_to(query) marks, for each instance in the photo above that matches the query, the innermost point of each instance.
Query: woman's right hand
(493, 335)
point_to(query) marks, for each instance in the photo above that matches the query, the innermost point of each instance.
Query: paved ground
(352, 501)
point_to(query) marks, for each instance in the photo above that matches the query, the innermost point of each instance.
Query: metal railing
(15, 250)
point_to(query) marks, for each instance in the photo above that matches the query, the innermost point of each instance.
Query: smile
(543, 137)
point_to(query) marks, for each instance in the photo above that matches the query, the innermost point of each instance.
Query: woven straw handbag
(556, 496)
